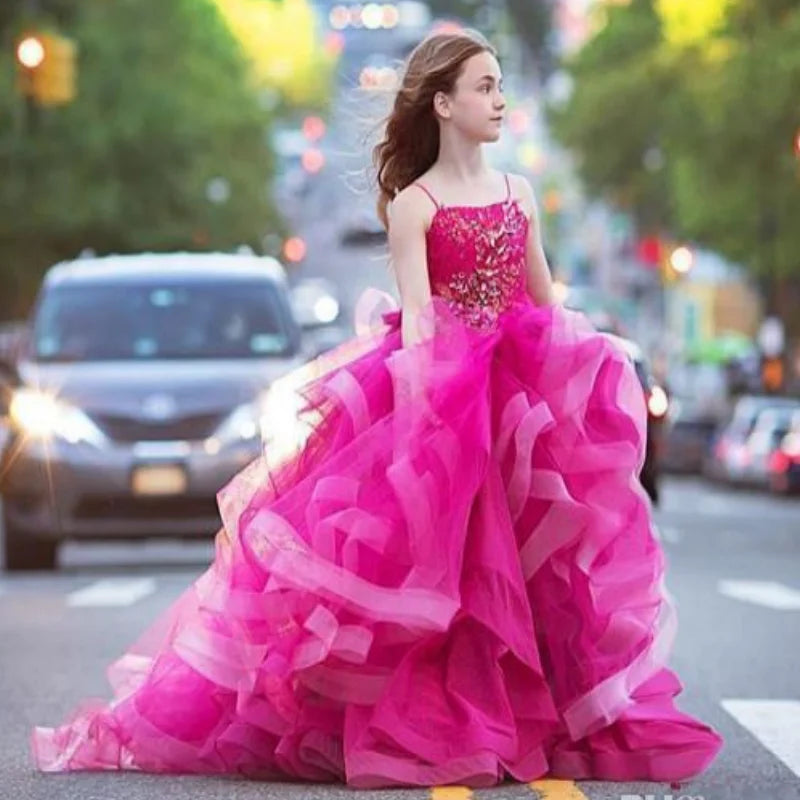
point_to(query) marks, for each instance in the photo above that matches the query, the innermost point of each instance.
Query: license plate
(158, 479)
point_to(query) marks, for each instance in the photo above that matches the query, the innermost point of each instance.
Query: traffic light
(676, 262)
(772, 373)
(46, 68)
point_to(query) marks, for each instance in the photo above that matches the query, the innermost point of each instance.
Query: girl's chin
(487, 136)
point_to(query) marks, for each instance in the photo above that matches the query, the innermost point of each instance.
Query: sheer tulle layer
(444, 571)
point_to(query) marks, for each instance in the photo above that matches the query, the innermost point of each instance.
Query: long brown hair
(410, 143)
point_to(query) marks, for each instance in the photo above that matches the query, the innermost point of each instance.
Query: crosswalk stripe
(112, 592)
(773, 723)
(763, 593)
(557, 790)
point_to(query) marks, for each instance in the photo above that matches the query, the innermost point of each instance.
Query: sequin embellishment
(484, 254)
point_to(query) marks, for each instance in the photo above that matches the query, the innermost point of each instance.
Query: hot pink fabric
(452, 579)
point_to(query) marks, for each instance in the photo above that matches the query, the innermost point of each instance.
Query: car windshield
(159, 320)
(748, 410)
(775, 418)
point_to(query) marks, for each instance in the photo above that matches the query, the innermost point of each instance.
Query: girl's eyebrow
(489, 78)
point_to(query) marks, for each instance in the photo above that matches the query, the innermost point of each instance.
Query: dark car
(363, 228)
(784, 462)
(657, 410)
(688, 437)
(699, 401)
(139, 394)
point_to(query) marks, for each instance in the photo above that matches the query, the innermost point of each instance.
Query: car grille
(97, 507)
(127, 429)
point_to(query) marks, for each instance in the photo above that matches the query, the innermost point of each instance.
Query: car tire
(650, 485)
(778, 483)
(24, 551)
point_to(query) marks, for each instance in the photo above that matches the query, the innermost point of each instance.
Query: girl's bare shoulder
(411, 207)
(522, 191)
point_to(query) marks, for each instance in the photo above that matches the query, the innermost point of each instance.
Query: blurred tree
(164, 114)
(616, 116)
(12, 12)
(734, 169)
(461, 9)
(685, 113)
(281, 40)
(532, 21)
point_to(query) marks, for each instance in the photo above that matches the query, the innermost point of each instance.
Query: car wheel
(650, 485)
(25, 551)
(778, 483)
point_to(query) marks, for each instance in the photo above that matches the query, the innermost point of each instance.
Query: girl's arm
(408, 253)
(538, 279)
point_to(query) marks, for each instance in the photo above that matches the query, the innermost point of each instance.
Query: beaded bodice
(476, 258)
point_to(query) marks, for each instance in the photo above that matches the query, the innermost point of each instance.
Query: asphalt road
(733, 561)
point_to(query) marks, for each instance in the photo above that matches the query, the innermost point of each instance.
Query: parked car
(728, 456)
(363, 228)
(769, 430)
(138, 395)
(699, 402)
(784, 461)
(657, 410)
(687, 436)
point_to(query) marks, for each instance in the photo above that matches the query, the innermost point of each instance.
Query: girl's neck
(461, 162)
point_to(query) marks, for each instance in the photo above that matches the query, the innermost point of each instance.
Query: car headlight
(241, 425)
(43, 416)
(273, 418)
(658, 402)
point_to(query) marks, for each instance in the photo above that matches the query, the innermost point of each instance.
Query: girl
(450, 574)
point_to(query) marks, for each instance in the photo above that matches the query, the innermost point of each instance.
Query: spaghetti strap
(424, 189)
(508, 188)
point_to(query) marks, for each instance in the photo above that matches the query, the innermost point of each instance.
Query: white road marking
(770, 594)
(773, 723)
(112, 592)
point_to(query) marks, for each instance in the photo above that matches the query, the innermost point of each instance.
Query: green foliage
(462, 9)
(531, 20)
(723, 114)
(163, 106)
(736, 175)
(616, 116)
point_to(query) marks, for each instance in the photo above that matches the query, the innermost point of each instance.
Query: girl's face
(476, 106)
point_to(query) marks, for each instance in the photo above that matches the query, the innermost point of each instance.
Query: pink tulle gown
(444, 571)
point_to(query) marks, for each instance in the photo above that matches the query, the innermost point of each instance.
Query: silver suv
(137, 393)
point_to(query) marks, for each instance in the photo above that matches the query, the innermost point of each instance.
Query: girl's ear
(441, 105)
